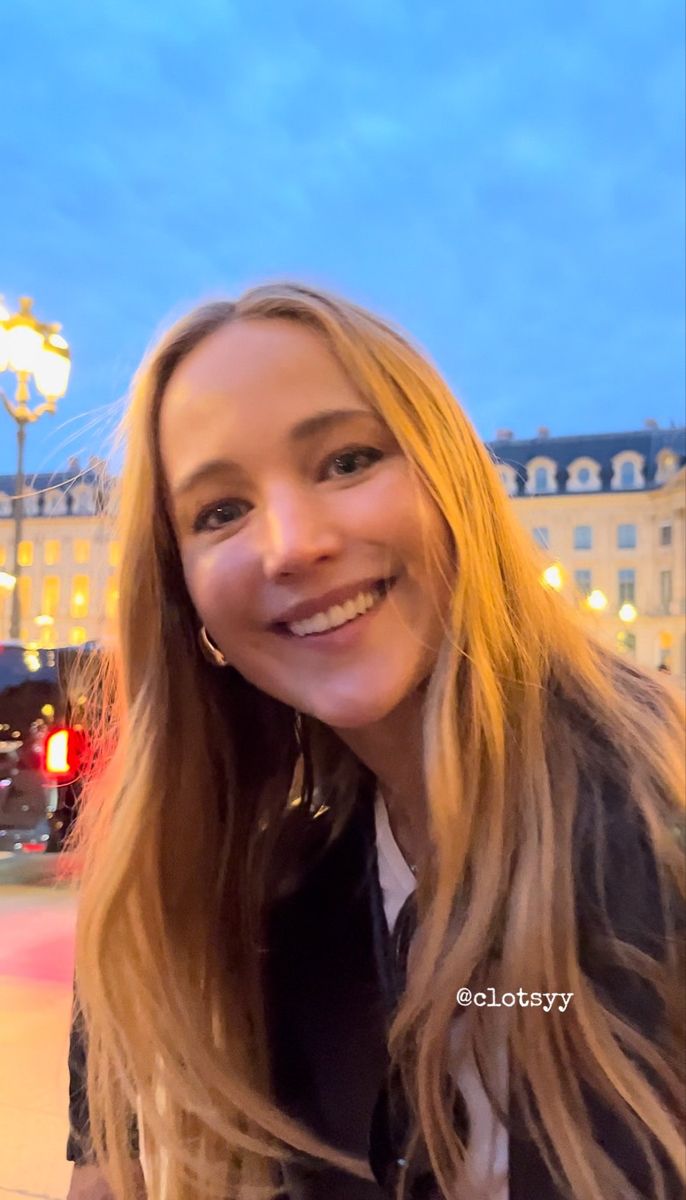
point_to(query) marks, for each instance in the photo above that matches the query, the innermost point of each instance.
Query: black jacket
(332, 981)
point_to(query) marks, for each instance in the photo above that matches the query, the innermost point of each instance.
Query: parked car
(43, 745)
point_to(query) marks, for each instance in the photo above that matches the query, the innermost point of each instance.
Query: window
(541, 480)
(583, 537)
(3, 556)
(111, 597)
(24, 585)
(584, 476)
(81, 550)
(666, 534)
(665, 591)
(665, 649)
(626, 537)
(627, 586)
(79, 596)
(51, 595)
(627, 475)
(542, 536)
(77, 636)
(582, 579)
(51, 553)
(113, 554)
(626, 643)
(26, 554)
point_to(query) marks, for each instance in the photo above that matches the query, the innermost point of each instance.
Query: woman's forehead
(250, 380)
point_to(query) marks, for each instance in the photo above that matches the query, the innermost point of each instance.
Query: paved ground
(36, 963)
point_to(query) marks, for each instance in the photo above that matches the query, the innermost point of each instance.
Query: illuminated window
(81, 550)
(113, 554)
(26, 554)
(627, 586)
(24, 585)
(51, 595)
(626, 643)
(111, 597)
(77, 636)
(51, 553)
(3, 556)
(665, 591)
(79, 596)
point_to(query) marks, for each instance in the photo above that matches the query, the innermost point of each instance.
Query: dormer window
(584, 475)
(627, 471)
(627, 475)
(29, 503)
(541, 476)
(82, 500)
(667, 464)
(508, 478)
(5, 505)
(55, 503)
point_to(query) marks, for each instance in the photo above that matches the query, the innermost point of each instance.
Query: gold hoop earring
(210, 652)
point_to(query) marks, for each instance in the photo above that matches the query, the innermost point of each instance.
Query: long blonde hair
(526, 720)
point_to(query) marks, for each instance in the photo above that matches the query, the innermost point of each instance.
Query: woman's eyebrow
(301, 432)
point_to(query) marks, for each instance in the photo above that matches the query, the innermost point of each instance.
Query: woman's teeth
(339, 614)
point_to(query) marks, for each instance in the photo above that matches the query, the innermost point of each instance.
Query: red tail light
(64, 753)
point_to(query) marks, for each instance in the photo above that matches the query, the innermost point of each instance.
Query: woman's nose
(298, 532)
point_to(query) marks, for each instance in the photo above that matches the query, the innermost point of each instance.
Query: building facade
(607, 513)
(68, 581)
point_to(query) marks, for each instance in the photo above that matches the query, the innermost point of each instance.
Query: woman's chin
(351, 712)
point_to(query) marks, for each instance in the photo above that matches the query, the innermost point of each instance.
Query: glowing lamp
(52, 367)
(627, 613)
(24, 338)
(552, 577)
(597, 600)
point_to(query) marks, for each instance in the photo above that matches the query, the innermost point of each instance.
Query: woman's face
(301, 531)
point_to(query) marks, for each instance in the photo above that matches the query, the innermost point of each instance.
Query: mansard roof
(602, 447)
(45, 483)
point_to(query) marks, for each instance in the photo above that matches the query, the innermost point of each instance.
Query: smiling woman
(367, 762)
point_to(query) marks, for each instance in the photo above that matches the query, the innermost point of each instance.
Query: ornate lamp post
(29, 348)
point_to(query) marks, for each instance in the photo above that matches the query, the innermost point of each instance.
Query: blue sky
(505, 180)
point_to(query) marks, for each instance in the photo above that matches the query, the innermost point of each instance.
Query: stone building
(607, 513)
(67, 584)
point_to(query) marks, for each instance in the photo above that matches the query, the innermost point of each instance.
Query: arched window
(584, 476)
(627, 475)
(627, 470)
(541, 476)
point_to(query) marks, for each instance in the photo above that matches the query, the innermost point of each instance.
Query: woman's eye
(216, 516)
(351, 462)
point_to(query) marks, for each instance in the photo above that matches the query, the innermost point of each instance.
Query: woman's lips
(341, 635)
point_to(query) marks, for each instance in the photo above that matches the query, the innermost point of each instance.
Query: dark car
(43, 743)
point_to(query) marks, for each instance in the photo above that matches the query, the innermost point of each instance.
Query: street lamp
(597, 600)
(552, 577)
(627, 613)
(29, 348)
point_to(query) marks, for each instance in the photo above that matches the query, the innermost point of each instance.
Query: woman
(366, 761)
